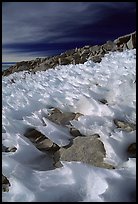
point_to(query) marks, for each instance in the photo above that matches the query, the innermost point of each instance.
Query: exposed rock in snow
(8, 149)
(132, 150)
(62, 118)
(40, 141)
(5, 184)
(87, 149)
(124, 125)
(75, 56)
(75, 132)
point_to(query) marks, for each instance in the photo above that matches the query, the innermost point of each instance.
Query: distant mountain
(75, 56)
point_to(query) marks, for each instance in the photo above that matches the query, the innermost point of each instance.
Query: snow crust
(74, 88)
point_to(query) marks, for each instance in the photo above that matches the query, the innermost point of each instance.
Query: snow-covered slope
(26, 99)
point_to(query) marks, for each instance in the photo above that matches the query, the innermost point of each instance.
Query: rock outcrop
(75, 56)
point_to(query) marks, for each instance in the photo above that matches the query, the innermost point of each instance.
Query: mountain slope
(75, 56)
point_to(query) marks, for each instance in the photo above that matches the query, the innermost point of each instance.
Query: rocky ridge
(75, 56)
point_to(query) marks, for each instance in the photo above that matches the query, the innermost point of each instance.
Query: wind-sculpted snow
(101, 92)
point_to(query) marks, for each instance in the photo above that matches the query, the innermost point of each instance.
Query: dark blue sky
(40, 29)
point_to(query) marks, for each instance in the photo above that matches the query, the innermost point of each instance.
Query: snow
(74, 88)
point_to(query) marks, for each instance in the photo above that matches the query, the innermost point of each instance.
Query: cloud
(52, 23)
(31, 21)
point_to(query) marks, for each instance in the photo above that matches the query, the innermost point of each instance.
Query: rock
(76, 58)
(126, 126)
(104, 101)
(40, 141)
(4, 149)
(34, 135)
(74, 132)
(96, 59)
(5, 184)
(44, 145)
(65, 61)
(95, 49)
(12, 149)
(62, 118)
(87, 149)
(131, 150)
(110, 46)
(8, 149)
(128, 41)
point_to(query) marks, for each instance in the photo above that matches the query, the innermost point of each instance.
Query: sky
(41, 29)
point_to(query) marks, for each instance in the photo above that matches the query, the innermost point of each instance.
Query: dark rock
(34, 135)
(96, 59)
(132, 150)
(40, 141)
(65, 60)
(12, 149)
(76, 58)
(74, 132)
(104, 101)
(5, 184)
(8, 149)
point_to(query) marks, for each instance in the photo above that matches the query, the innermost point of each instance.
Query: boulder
(87, 149)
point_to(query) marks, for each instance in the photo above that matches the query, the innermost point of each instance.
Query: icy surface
(26, 100)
